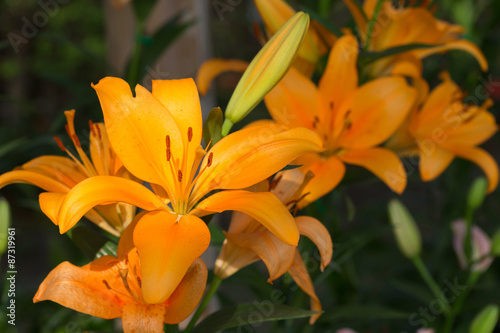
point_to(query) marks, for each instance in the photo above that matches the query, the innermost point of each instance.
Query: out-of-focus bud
(405, 229)
(495, 244)
(4, 224)
(345, 330)
(477, 193)
(425, 330)
(266, 69)
(485, 321)
(481, 246)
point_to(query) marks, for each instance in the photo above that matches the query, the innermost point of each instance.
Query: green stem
(171, 328)
(226, 126)
(208, 296)
(371, 23)
(433, 286)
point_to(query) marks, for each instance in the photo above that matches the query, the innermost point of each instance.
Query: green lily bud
(485, 321)
(495, 244)
(266, 69)
(405, 229)
(477, 193)
(4, 224)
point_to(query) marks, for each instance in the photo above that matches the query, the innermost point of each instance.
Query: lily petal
(50, 203)
(433, 160)
(460, 44)
(34, 178)
(234, 157)
(232, 258)
(264, 207)
(137, 128)
(60, 168)
(167, 244)
(100, 190)
(188, 294)
(212, 68)
(319, 235)
(139, 318)
(383, 163)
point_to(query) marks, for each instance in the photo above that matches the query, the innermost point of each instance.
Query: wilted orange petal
(100, 190)
(235, 156)
(263, 207)
(276, 255)
(316, 231)
(167, 244)
(212, 68)
(298, 271)
(82, 289)
(140, 318)
(433, 160)
(328, 172)
(137, 128)
(383, 163)
(187, 295)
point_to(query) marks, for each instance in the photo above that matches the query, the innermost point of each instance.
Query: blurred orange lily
(441, 127)
(157, 136)
(247, 241)
(60, 174)
(110, 287)
(351, 120)
(404, 26)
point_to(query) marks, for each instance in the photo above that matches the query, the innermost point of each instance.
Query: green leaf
(212, 129)
(88, 240)
(249, 313)
(216, 233)
(108, 249)
(367, 57)
(321, 20)
(4, 224)
(363, 312)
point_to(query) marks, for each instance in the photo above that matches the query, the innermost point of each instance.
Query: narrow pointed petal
(276, 255)
(383, 163)
(137, 128)
(295, 101)
(483, 159)
(319, 235)
(181, 99)
(167, 244)
(82, 288)
(375, 111)
(263, 207)
(328, 172)
(34, 178)
(139, 318)
(234, 157)
(340, 79)
(433, 160)
(461, 44)
(298, 272)
(100, 190)
(62, 169)
(212, 68)
(188, 294)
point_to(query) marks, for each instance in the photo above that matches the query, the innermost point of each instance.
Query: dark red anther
(190, 134)
(106, 284)
(66, 127)
(92, 129)
(210, 157)
(179, 176)
(167, 141)
(60, 144)
(76, 141)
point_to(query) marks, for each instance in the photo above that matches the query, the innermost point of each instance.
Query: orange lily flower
(441, 127)
(247, 240)
(110, 287)
(403, 26)
(60, 174)
(351, 120)
(157, 136)
(317, 41)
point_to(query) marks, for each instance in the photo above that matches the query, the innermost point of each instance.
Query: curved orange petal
(62, 169)
(328, 172)
(137, 128)
(50, 203)
(264, 207)
(276, 255)
(340, 78)
(295, 101)
(82, 288)
(232, 258)
(33, 178)
(482, 158)
(319, 235)
(188, 294)
(298, 272)
(375, 111)
(433, 160)
(383, 163)
(167, 244)
(474, 131)
(460, 44)
(100, 190)
(140, 318)
(126, 243)
(212, 68)
(181, 99)
(233, 163)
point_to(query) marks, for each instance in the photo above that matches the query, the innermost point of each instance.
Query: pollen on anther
(76, 141)
(179, 176)
(92, 129)
(169, 154)
(190, 134)
(60, 144)
(167, 141)
(210, 157)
